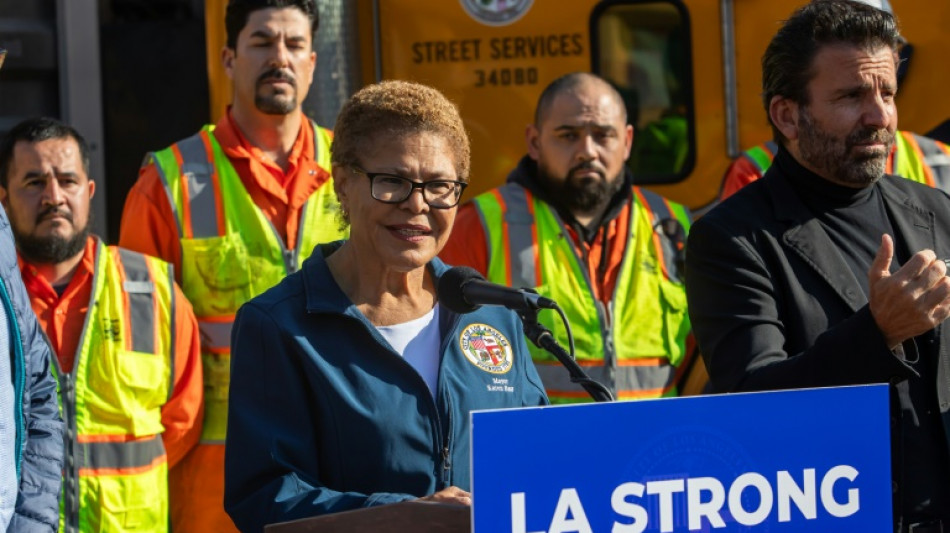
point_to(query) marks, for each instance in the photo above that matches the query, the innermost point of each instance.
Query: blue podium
(788, 461)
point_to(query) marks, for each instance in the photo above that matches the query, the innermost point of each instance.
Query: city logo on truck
(496, 12)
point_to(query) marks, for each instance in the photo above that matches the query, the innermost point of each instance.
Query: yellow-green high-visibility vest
(116, 472)
(633, 346)
(230, 251)
(921, 159)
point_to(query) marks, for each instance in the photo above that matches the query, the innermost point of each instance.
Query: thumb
(881, 267)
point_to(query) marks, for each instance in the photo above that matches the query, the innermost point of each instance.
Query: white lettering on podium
(569, 504)
(709, 509)
(743, 482)
(620, 505)
(665, 490)
(705, 498)
(827, 495)
(804, 497)
(518, 520)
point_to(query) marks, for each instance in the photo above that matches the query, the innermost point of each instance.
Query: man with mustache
(827, 271)
(235, 208)
(912, 156)
(570, 223)
(125, 338)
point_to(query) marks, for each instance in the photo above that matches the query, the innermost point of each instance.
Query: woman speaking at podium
(350, 384)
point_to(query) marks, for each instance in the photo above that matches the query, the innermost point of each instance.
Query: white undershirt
(418, 342)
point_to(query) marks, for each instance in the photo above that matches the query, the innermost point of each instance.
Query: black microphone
(463, 290)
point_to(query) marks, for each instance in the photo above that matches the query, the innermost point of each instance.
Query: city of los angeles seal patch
(486, 348)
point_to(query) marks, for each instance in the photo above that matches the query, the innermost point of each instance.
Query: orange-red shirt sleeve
(182, 414)
(148, 223)
(467, 245)
(739, 174)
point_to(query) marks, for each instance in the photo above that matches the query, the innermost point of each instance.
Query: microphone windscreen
(451, 288)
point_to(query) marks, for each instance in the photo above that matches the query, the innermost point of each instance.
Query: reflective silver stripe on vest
(172, 327)
(215, 335)
(197, 168)
(623, 378)
(520, 236)
(120, 455)
(769, 146)
(937, 160)
(141, 292)
(661, 215)
(150, 158)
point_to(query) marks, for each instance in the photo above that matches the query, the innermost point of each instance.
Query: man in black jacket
(827, 271)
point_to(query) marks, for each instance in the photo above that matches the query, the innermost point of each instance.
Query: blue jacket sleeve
(37, 505)
(271, 467)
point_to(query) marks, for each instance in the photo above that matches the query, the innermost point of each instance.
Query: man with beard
(125, 337)
(236, 207)
(912, 156)
(570, 224)
(828, 271)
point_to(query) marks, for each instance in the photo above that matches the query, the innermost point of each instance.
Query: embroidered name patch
(486, 348)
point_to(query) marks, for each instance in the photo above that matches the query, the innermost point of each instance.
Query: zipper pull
(290, 260)
(446, 460)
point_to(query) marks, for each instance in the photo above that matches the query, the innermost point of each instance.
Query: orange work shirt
(468, 246)
(62, 318)
(148, 221)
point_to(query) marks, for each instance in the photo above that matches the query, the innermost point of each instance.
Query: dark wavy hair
(238, 11)
(787, 65)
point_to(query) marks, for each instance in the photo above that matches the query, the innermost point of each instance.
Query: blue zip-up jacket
(39, 429)
(324, 416)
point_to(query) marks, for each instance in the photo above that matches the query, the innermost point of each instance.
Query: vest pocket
(217, 274)
(143, 386)
(123, 392)
(676, 324)
(134, 502)
(142, 371)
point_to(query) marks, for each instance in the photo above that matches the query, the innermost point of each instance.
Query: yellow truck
(688, 69)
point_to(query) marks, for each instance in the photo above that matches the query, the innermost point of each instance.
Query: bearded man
(125, 338)
(570, 224)
(828, 271)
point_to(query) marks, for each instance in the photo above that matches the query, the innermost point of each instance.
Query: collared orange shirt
(63, 317)
(468, 246)
(148, 222)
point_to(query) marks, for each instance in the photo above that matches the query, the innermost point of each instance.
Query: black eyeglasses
(393, 189)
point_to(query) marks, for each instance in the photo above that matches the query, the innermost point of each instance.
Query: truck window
(643, 48)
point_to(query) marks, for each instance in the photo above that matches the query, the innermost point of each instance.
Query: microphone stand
(542, 338)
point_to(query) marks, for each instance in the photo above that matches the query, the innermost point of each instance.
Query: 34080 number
(503, 77)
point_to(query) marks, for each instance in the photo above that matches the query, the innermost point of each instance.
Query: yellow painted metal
(495, 73)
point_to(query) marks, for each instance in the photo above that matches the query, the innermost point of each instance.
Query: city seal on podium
(486, 348)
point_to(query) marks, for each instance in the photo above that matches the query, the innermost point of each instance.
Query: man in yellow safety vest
(235, 208)
(126, 339)
(570, 223)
